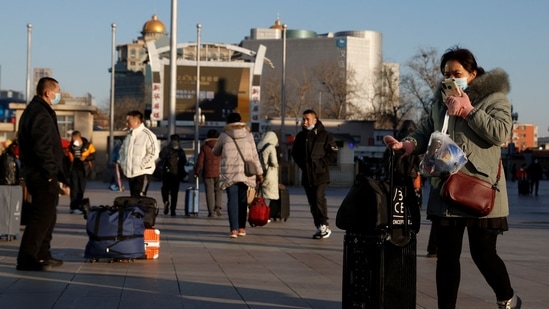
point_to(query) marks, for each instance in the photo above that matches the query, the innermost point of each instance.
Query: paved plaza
(275, 266)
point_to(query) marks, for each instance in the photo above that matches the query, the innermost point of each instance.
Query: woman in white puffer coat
(269, 157)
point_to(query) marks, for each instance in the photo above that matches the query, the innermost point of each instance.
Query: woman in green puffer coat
(480, 122)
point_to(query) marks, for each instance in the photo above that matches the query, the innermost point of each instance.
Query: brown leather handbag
(470, 193)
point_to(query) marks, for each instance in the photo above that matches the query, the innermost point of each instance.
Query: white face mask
(57, 99)
(76, 143)
(461, 82)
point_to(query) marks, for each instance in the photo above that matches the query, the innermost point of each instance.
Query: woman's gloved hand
(393, 143)
(459, 105)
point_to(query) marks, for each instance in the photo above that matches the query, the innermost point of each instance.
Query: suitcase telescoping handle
(398, 212)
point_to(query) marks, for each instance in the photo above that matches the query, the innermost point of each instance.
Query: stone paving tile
(275, 266)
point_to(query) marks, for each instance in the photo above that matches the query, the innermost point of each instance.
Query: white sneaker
(322, 232)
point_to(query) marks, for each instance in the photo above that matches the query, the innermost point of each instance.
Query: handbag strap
(237, 148)
(495, 185)
(445, 124)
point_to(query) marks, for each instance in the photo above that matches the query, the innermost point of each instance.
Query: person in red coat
(209, 165)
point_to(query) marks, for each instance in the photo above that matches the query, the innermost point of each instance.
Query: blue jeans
(237, 205)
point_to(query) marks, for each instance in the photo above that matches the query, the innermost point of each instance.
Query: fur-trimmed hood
(236, 130)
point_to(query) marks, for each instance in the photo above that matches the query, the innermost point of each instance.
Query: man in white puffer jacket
(138, 154)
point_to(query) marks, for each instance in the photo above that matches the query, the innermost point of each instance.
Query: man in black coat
(174, 160)
(313, 151)
(41, 157)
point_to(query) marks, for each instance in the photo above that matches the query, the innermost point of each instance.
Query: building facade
(524, 136)
(356, 55)
(131, 64)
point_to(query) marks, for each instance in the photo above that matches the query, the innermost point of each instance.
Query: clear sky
(73, 37)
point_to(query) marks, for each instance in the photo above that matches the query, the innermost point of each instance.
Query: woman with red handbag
(480, 122)
(236, 145)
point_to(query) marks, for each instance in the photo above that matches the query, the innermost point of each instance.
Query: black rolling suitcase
(147, 204)
(378, 273)
(280, 209)
(379, 255)
(524, 187)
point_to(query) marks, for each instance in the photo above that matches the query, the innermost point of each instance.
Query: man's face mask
(57, 99)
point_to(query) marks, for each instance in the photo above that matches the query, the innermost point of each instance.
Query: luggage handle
(405, 234)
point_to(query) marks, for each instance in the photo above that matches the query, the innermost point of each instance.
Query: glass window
(66, 125)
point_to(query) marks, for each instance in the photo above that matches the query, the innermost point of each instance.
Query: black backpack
(174, 162)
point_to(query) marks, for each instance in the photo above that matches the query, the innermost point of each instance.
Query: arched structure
(230, 79)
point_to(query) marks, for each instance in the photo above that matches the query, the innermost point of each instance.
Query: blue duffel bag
(115, 232)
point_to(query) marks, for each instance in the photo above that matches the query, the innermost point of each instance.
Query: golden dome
(277, 25)
(154, 26)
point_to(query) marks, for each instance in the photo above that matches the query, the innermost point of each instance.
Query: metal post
(283, 97)
(319, 104)
(111, 111)
(173, 69)
(29, 32)
(197, 106)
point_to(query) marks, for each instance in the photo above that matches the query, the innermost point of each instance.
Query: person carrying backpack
(9, 165)
(173, 171)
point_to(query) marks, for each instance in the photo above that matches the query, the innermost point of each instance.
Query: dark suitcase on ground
(524, 187)
(191, 201)
(115, 232)
(280, 209)
(378, 273)
(147, 204)
(11, 202)
(379, 264)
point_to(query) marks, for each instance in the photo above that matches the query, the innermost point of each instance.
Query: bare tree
(121, 108)
(299, 92)
(271, 96)
(388, 109)
(338, 87)
(420, 84)
(341, 88)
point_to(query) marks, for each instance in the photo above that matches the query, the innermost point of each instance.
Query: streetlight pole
(283, 96)
(29, 32)
(173, 68)
(197, 106)
(111, 110)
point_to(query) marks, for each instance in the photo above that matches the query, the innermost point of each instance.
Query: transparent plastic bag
(443, 157)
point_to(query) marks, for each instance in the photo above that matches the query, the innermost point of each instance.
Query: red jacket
(207, 161)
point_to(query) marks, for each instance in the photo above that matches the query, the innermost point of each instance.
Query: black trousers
(170, 189)
(139, 185)
(78, 182)
(316, 196)
(35, 243)
(482, 244)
